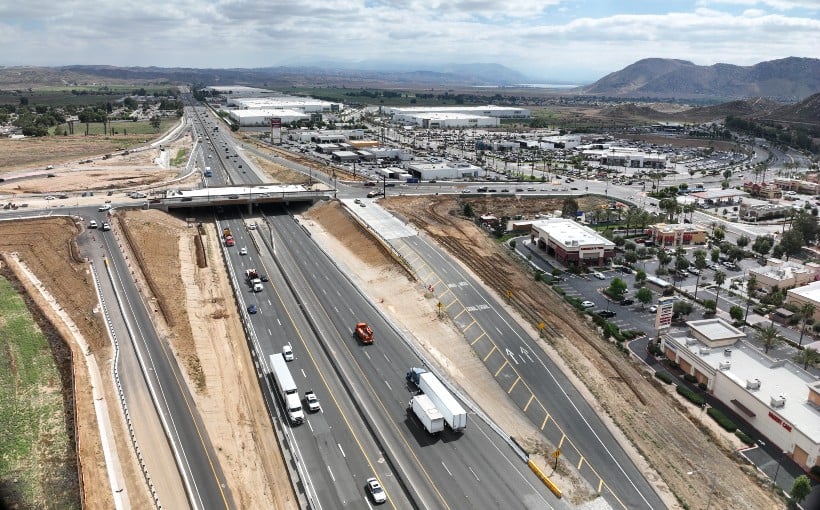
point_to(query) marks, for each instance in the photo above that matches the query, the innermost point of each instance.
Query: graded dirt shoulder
(203, 328)
(658, 431)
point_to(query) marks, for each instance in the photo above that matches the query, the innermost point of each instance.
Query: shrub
(690, 395)
(745, 437)
(690, 378)
(815, 471)
(722, 419)
(702, 386)
(663, 376)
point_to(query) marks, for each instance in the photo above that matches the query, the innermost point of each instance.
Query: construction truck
(363, 333)
(454, 414)
(254, 280)
(228, 237)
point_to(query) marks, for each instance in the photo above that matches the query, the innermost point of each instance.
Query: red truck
(364, 333)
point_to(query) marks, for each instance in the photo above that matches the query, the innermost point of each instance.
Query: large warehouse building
(249, 118)
(571, 243)
(455, 116)
(434, 168)
(502, 112)
(302, 104)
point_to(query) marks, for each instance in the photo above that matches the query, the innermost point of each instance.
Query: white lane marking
(341, 450)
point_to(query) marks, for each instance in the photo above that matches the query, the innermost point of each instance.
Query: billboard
(663, 317)
(276, 130)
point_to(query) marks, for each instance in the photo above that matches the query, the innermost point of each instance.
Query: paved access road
(532, 380)
(157, 374)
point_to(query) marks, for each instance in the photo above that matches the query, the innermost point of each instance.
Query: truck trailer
(287, 388)
(254, 280)
(454, 414)
(427, 413)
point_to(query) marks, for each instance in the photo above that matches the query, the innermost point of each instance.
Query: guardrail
(118, 384)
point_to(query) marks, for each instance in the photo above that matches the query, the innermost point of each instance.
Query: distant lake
(530, 86)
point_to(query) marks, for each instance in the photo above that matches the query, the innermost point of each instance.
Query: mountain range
(788, 79)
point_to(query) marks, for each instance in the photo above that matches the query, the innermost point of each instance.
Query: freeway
(195, 459)
(478, 468)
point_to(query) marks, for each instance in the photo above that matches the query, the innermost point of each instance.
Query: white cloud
(251, 33)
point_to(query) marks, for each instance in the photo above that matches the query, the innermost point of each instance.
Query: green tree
(156, 122)
(700, 264)
(736, 313)
(710, 305)
(807, 356)
(807, 314)
(715, 255)
(617, 288)
(644, 295)
(640, 276)
(777, 251)
(570, 208)
(720, 277)
(468, 210)
(792, 242)
(663, 258)
(631, 257)
(801, 488)
(768, 336)
(682, 308)
(742, 241)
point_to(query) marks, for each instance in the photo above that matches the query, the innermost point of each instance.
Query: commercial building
(752, 209)
(435, 168)
(256, 118)
(777, 398)
(237, 91)
(626, 157)
(804, 295)
(571, 243)
(443, 120)
(677, 234)
(718, 197)
(798, 185)
(501, 112)
(302, 104)
(784, 274)
(763, 190)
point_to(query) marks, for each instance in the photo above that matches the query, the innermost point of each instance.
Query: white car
(587, 304)
(653, 308)
(49, 197)
(312, 402)
(243, 251)
(599, 275)
(376, 491)
(104, 207)
(287, 352)
(92, 224)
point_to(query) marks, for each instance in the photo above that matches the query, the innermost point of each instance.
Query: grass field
(37, 468)
(124, 127)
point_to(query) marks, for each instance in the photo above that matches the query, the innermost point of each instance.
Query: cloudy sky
(556, 40)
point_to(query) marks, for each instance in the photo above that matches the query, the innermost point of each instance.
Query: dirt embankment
(46, 247)
(202, 326)
(660, 429)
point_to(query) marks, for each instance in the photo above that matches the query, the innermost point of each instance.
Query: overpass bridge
(237, 195)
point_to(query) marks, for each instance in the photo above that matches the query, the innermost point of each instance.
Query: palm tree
(720, 277)
(769, 337)
(751, 285)
(700, 263)
(807, 311)
(807, 356)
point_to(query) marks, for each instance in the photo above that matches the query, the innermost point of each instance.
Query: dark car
(627, 302)
(626, 270)
(606, 314)
(252, 309)
(263, 277)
